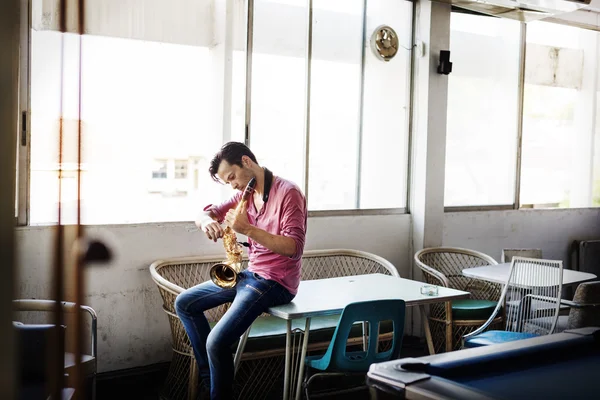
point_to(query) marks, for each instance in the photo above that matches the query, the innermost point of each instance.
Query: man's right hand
(210, 227)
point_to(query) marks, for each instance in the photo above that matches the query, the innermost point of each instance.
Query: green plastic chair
(338, 361)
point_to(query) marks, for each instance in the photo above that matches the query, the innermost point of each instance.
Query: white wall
(553, 231)
(132, 328)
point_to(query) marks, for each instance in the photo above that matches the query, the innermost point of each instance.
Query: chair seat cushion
(496, 337)
(471, 309)
(268, 332)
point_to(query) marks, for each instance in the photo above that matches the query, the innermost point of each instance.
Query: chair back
(374, 312)
(533, 292)
(443, 266)
(508, 254)
(587, 313)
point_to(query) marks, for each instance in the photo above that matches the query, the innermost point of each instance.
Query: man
(274, 220)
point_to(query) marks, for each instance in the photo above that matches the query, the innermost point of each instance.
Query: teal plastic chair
(338, 361)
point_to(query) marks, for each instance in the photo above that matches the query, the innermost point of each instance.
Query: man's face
(234, 175)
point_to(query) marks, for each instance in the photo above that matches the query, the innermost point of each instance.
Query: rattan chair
(508, 254)
(260, 371)
(450, 321)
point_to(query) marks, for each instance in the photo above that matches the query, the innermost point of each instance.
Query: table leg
(427, 330)
(301, 361)
(240, 350)
(288, 361)
(364, 331)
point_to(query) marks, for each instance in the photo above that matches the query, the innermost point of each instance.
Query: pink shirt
(283, 214)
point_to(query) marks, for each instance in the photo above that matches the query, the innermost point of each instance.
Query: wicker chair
(450, 321)
(508, 254)
(260, 372)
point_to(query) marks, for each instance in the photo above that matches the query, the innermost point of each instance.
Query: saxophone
(224, 274)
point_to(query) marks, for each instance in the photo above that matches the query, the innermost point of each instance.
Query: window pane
(384, 156)
(481, 139)
(335, 104)
(278, 77)
(146, 126)
(558, 123)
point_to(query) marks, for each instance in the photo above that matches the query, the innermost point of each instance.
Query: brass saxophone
(224, 274)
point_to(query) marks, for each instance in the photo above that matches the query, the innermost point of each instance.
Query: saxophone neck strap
(268, 182)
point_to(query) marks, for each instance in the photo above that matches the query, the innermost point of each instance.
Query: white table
(330, 296)
(499, 274)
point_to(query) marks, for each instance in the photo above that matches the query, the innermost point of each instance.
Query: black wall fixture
(445, 66)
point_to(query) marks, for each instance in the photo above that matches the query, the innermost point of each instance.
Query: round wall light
(384, 43)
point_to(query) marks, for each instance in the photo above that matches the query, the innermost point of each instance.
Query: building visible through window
(181, 169)
(160, 170)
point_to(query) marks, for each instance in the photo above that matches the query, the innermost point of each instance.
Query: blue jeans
(252, 296)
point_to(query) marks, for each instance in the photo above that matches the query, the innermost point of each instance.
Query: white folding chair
(532, 292)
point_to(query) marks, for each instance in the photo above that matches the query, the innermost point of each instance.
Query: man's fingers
(214, 231)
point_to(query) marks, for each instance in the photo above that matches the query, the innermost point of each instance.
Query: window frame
(24, 132)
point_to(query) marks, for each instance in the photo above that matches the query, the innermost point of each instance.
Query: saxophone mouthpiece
(249, 189)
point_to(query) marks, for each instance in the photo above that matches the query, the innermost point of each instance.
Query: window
(142, 103)
(559, 117)
(559, 162)
(353, 107)
(156, 102)
(482, 124)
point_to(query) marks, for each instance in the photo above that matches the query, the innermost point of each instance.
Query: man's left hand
(238, 221)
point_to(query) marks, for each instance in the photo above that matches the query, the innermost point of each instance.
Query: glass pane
(146, 125)
(557, 154)
(481, 135)
(335, 104)
(278, 77)
(384, 156)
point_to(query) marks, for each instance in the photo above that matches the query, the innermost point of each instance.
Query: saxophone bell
(225, 275)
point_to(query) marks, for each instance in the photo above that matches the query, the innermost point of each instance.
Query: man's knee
(215, 342)
(181, 303)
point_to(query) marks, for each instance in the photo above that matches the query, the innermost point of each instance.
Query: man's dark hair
(232, 152)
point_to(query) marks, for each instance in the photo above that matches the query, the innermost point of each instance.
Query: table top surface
(329, 296)
(499, 274)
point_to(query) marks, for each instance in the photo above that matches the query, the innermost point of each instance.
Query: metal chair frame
(522, 306)
(41, 305)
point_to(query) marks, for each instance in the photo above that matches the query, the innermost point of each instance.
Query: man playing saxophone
(274, 221)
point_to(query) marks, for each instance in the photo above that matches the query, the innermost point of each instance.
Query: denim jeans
(249, 298)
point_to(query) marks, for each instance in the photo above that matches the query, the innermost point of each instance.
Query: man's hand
(210, 227)
(238, 221)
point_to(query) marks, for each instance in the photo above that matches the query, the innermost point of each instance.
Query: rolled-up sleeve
(293, 220)
(220, 210)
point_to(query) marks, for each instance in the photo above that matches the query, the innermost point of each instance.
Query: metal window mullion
(23, 144)
(361, 104)
(307, 97)
(411, 101)
(520, 108)
(249, 50)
